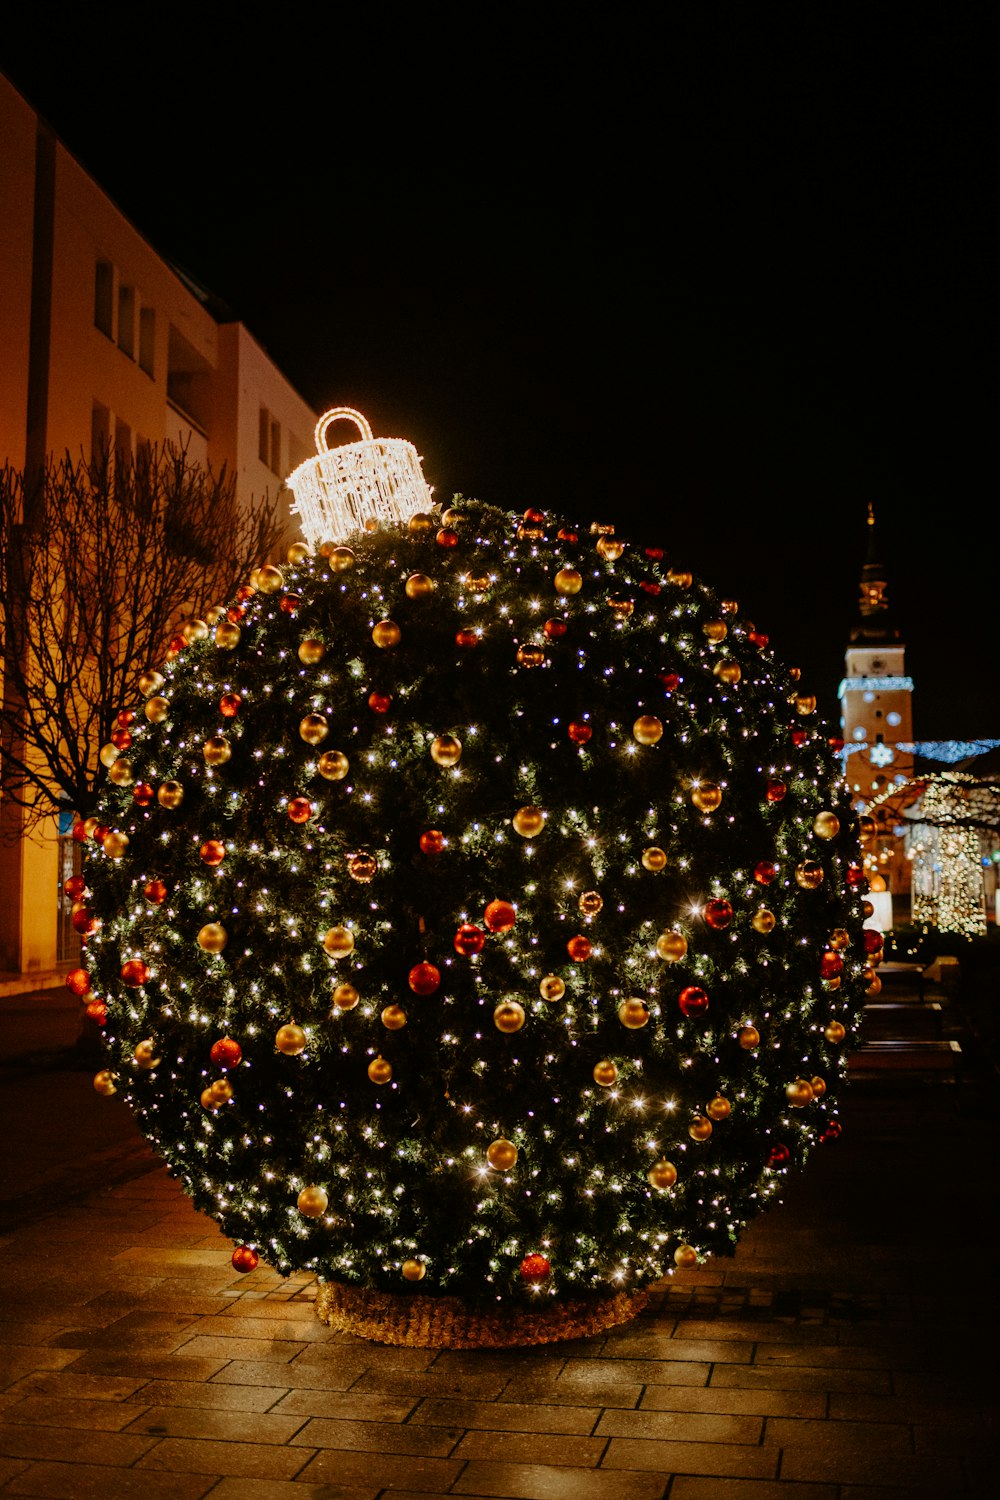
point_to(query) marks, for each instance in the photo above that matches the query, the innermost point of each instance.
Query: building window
(269, 441)
(147, 338)
(123, 444)
(100, 434)
(104, 297)
(126, 320)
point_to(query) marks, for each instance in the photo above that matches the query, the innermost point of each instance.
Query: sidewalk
(847, 1352)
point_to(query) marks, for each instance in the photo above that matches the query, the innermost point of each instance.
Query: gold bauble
(621, 606)
(298, 552)
(799, 1093)
(339, 942)
(763, 920)
(552, 987)
(805, 703)
(528, 821)
(633, 1014)
(379, 1071)
(839, 938)
(213, 937)
(831, 985)
(877, 883)
(90, 824)
(671, 946)
(715, 631)
(419, 586)
(217, 750)
(311, 651)
(145, 1054)
(221, 1090)
(420, 521)
(269, 579)
(387, 634)
(685, 1257)
(208, 1100)
(214, 615)
(729, 607)
(680, 578)
(718, 1108)
(873, 984)
(120, 773)
(104, 1083)
(647, 729)
(290, 1039)
(826, 825)
(313, 1201)
(818, 1087)
(590, 903)
(452, 517)
(362, 867)
(341, 560)
(156, 709)
(728, 672)
(700, 1128)
(150, 682)
(313, 729)
(654, 858)
(394, 1018)
(446, 750)
(867, 829)
(509, 1017)
(227, 635)
(568, 581)
(867, 910)
(413, 1270)
(170, 794)
(501, 1154)
(345, 997)
(605, 1073)
(662, 1175)
(476, 583)
(333, 765)
(748, 1038)
(194, 630)
(809, 875)
(107, 755)
(115, 845)
(610, 548)
(530, 656)
(706, 796)
(834, 1032)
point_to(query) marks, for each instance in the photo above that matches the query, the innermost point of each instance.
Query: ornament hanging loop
(341, 414)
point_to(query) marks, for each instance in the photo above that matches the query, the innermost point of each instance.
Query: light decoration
(376, 480)
(524, 1031)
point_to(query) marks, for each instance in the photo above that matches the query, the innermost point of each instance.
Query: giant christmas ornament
(494, 993)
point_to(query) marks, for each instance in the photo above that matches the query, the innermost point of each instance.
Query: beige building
(103, 342)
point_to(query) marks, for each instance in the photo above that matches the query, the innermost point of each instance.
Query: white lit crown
(376, 479)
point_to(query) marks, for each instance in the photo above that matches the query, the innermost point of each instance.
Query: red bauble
(500, 916)
(579, 948)
(155, 891)
(379, 702)
(758, 638)
(447, 538)
(134, 972)
(84, 922)
(142, 794)
(229, 705)
(873, 940)
(78, 982)
(567, 536)
(75, 887)
(96, 1011)
(834, 1130)
(780, 1156)
(290, 603)
(176, 645)
(467, 639)
(535, 1268)
(555, 628)
(764, 871)
(671, 681)
(300, 809)
(799, 737)
(234, 614)
(579, 733)
(718, 914)
(831, 966)
(244, 592)
(775, 790)
(432, 842)
(100, 833)
(649, 587)
(213, 851)
(533, 517)
(121, 738)
(836, 743)
(245, 1259)
(226, 1053)
(424, 979)
(693, 1001)
(857, 880)
(656, 553)
(79, 833)
(124, 718)
(469, 940)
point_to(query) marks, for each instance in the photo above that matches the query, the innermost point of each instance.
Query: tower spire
(874, 623)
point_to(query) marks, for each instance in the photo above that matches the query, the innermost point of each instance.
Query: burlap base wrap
(447, 1323)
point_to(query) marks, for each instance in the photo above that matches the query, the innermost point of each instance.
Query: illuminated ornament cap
(376, 479)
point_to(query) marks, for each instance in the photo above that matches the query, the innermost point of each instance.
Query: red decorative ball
(229, 705)
(467, 639)
(565, 535)
(534, 517)
(579, 948)
(648, 586)
(78, 982)
(758, 638)
(176, 645)
(671, 681)
(134, 972)
(234, 614)
(836, 743)
(300, 809)
(124, 718)
(469, 940)
(857, 880)
(226, 1053)
(776, 790)
(96, 1011)
(75, 887)
(155, 891)
(432, 842)
(424, 979)
(799, 737)
(290, 603)
(718, 914)
(764, 871)
(80, 833)
(831, 966)
(500, 916)
(100, 833)
(535, 1268)
(245, 1259)
(656, 553)
(244, 592)
(121, 738)
(555, 628)
(447, 538)
(693, 1001)
(142, 793)
(213, 851)
(780, 1156)
(379, 702)
(579, 733)
(834, 1130)
(84, 922)
(873, 940)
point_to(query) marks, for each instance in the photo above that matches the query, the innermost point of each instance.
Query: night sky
(717, 278)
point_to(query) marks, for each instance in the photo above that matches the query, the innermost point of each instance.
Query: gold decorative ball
(379, 1071)
(362, 867)
(568, 581)
(763, 921)
(313, 729)
(809, 875)
(552, 987)
(313, 1202)
(729, 607)
(877, 883)
(818, 1087)
(610, 548)
(120, 773)
(715, 631)
(217, 750)
(805, 704)
(341, 560)
(214, 615)
(834, 1032)
(394, 1018)
(419, 586)
(298, 552)
(345, 997)
(269, 579)
(104, 1083)
(311, 651)
(420, 521)
(826, 825)
(748, 1038)
(671, 946)
(680, 578)
(170, 794)
(633, 1014)
(476, 583)
(333, 765)
(799, 1092)
(115, 845)
(728, 672)
(509, 1017)
(156, 709)
(685, 1257)
(867, 828)
(446, 750)
(867, 910)
(647, 729)
(501, 1154)
(150, 682)
(839, 939)
(662, 1175)
(227, 635)
(530, 656)
(413, 1270)
(290, 1039)
(208, 1100)
(221, 1090)
(339, 942)
(452, 517)
(590, 903)
(605, 1073)
(706, 796)
(528, 821)
(146, 1054)
(194, 630)
(700, 1128)
(213, 937)
(387, 634)
(718, 1108)
(873, 984)
(831, 985)
(653, 858)
(621, 606)
(108, 754)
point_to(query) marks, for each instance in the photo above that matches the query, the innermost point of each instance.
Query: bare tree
(99, 563)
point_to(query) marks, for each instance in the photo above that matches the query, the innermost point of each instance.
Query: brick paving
(846, 1352)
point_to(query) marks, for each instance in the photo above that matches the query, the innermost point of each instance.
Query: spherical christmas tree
(477, 909)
